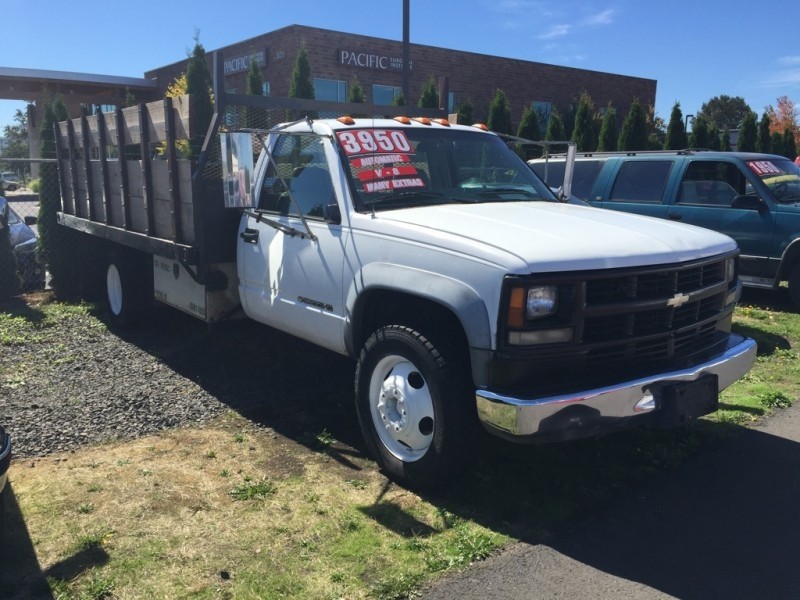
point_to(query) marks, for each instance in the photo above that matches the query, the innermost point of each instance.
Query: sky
(694, 50)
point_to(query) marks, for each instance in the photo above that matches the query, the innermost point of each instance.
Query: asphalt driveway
(725, 525)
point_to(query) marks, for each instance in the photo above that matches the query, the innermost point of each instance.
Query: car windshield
(409, 167)
(781, 176)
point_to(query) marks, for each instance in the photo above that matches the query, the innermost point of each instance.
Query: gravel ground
(75, 381)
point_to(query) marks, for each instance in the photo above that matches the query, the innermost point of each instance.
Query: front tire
(415, 407)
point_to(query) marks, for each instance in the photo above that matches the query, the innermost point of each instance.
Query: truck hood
(525, 237)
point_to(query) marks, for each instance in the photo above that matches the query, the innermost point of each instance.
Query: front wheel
(415, 407)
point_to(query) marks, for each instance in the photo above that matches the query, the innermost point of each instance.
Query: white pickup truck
(433, 256)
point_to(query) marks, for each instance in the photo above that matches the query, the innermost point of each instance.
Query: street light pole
(406, 50)
(686, 125)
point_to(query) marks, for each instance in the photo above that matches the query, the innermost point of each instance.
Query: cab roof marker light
(403, 120)
(444, 122)
(480, 126)
(423, 120)
(346, 120)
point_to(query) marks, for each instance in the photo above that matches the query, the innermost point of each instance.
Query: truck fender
(462, 300)
(790, 257)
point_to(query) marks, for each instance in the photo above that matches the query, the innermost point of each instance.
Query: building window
(385, 94)
(265, 88)
(103, 108)
(330, 90)
(544, 110)
(451, 102)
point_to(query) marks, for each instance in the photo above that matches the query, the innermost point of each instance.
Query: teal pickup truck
(754, 198)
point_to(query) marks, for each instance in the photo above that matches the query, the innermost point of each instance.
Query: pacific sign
(238, 64)
(354, 58)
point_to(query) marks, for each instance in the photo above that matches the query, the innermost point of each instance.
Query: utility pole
(406, 51)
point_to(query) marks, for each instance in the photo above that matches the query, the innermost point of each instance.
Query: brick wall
(471, 76)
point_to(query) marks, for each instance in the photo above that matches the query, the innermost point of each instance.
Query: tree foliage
(583, 133)
(747, 134)
(500, 114)
(789, 144)
(763, 139)
(725, 140)
(199, 86)
(555, 128)
(676, 138)
(714, 141)
(725, 111)
(529, 130)
(466, 113)
(607, 140)
(429, 97)
(16, 139)
(699, 137)
(254, 117)
(783, 116)
(634, 134)
(356, 92)
(301, 85)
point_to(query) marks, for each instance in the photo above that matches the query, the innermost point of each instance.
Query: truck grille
(629, 323)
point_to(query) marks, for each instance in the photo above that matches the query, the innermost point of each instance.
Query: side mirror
(751, 202)
(31, 220)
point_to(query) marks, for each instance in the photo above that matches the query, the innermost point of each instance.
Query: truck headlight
(537, 314)
(542, 302)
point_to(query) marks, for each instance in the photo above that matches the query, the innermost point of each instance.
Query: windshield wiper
(487, 192)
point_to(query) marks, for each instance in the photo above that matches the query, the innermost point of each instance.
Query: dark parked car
(754, 198)
(23, 241)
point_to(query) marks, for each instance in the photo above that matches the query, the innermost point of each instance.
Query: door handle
(675, 217)
(250, 236)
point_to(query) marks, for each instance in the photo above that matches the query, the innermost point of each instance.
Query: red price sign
(372, 141)
(763, 167)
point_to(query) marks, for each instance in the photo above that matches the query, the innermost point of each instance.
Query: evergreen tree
(725, 141)
(399, 100)
(714, 143)
(777, 143)
(356, 92)
(429, 97)
(529, 130)
(634, 130)
(555, 128)
(583, 133)
(58, 247)
(9, 276)
(789, 145)
(499, 119)
(607, 139)
(465, 112)
(301, 85)
(699, 137)
(199, 86)
(747, 134)
(255, 117)
(763, 139)
(676, 131)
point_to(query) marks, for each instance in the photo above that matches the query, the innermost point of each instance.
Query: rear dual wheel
(415, 407)
(129, 287)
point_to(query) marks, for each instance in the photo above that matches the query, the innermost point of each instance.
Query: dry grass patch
(230, 510)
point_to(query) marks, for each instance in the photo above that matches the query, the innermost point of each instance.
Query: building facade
(338, 59)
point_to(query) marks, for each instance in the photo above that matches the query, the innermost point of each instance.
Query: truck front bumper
(592, 412)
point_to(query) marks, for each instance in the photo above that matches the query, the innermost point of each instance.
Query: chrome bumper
(524, 417)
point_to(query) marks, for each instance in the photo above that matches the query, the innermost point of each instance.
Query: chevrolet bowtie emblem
(678, 300)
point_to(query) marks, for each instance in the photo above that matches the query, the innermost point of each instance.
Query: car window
(781, 176)
(299, 172)
(711, 183)
(584, 176)
(641, 181)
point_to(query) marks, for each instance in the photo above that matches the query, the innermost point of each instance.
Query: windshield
(401, 168)
(781, 176)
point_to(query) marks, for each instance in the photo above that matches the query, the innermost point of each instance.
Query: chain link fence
(24, 269)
